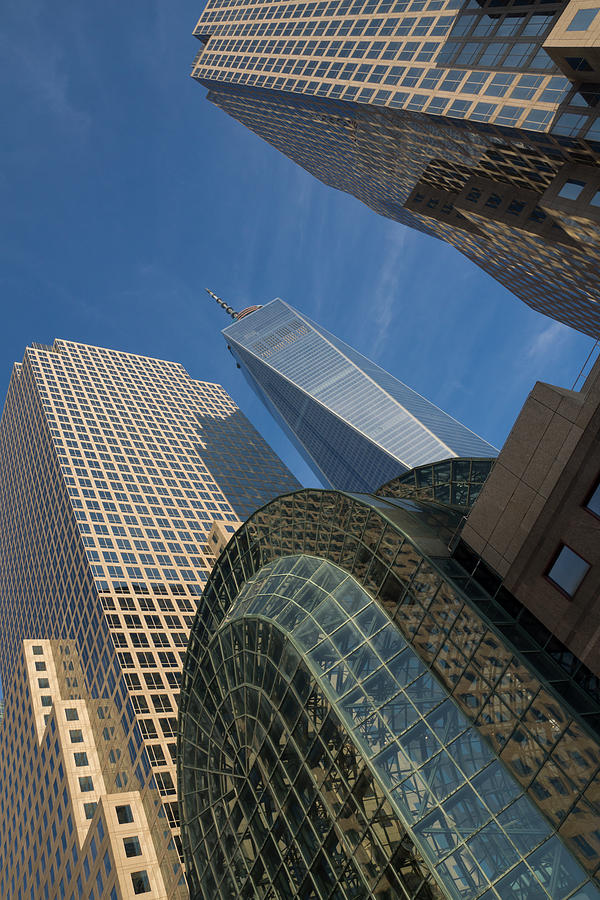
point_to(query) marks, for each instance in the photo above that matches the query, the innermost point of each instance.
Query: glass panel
(447, 721)
(496, 787)
(399, 714)
(461, 875)
(593, 503)
(406, 667)
(426, 693)
(466, 811)
(394, 765)
(380, 686)
(493, 851)
(439, 836)
(520, 885)
(442, 777)
(470, 752)
(420, 743)
(524, 824)
(388, 642)
(556, 868)
(568, 569)
(351, 597)
(412, 795)
(582, 19)
(374, 733)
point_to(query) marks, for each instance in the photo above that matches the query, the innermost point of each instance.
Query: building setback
(115, 469)
(355, 424)
(474, 123)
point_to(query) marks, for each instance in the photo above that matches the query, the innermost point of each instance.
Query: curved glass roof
(456, 481)
(409, 667)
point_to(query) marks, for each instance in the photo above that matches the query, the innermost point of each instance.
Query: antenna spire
(231, 312)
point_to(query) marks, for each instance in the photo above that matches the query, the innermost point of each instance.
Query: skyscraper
(476, 123)
(356, 424)
(115, 468)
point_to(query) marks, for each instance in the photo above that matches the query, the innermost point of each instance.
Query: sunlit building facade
(116, 468)
(357, 721)
(355, 424)
(474, 122)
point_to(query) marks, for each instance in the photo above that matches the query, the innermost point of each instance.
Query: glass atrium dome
(357, 721)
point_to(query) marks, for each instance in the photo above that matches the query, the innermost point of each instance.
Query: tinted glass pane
(593, 503)
(556, 868)
(571, 189)
(568, 570)
(582, 19)
(524, 824)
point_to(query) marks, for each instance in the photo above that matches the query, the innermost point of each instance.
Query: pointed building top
(222, 303)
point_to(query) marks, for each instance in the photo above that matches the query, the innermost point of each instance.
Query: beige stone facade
(75, 839)
(465, 121)
(114, 467)
(538, 500)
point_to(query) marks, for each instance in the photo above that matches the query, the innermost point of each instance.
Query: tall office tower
(356, 424)
(476, 122)
(114, 470)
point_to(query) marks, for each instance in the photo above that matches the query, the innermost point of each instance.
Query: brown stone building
(536, 522)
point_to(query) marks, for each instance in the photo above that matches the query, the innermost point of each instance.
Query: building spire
(222, 303)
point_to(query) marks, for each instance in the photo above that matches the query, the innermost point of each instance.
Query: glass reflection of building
(360, 718)
(476, 122)
(355, 424)
(114, 469)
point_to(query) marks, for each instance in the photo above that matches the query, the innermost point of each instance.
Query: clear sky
(125, 193)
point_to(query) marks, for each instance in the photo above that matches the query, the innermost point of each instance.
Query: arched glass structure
(332, 746)
(456, 482)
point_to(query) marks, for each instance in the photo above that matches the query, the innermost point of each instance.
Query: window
(89, 809)
(568, 570)
(76, 735)
(164, 783)
(43, 682)
(593, 502)
(571, 189)
(578, 63)
(141, 884)
(124, 814)
(71, 715)
(38, 651)
(132, 846)
(81, 759)
(85, 783)
(582, 19)
(40, 667)
(46, 701)
(156, 755)
(595, 201)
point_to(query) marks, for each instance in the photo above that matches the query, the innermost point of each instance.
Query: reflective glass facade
(356, 424)
(112, 477)
(354, 725)
(456, 482)
(464, 120)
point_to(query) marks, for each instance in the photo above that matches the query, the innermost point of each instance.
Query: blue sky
(125, 193)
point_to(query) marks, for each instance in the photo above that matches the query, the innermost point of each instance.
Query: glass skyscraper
(361, 718)
(115, 469)
(474, 122)
(355, 424)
